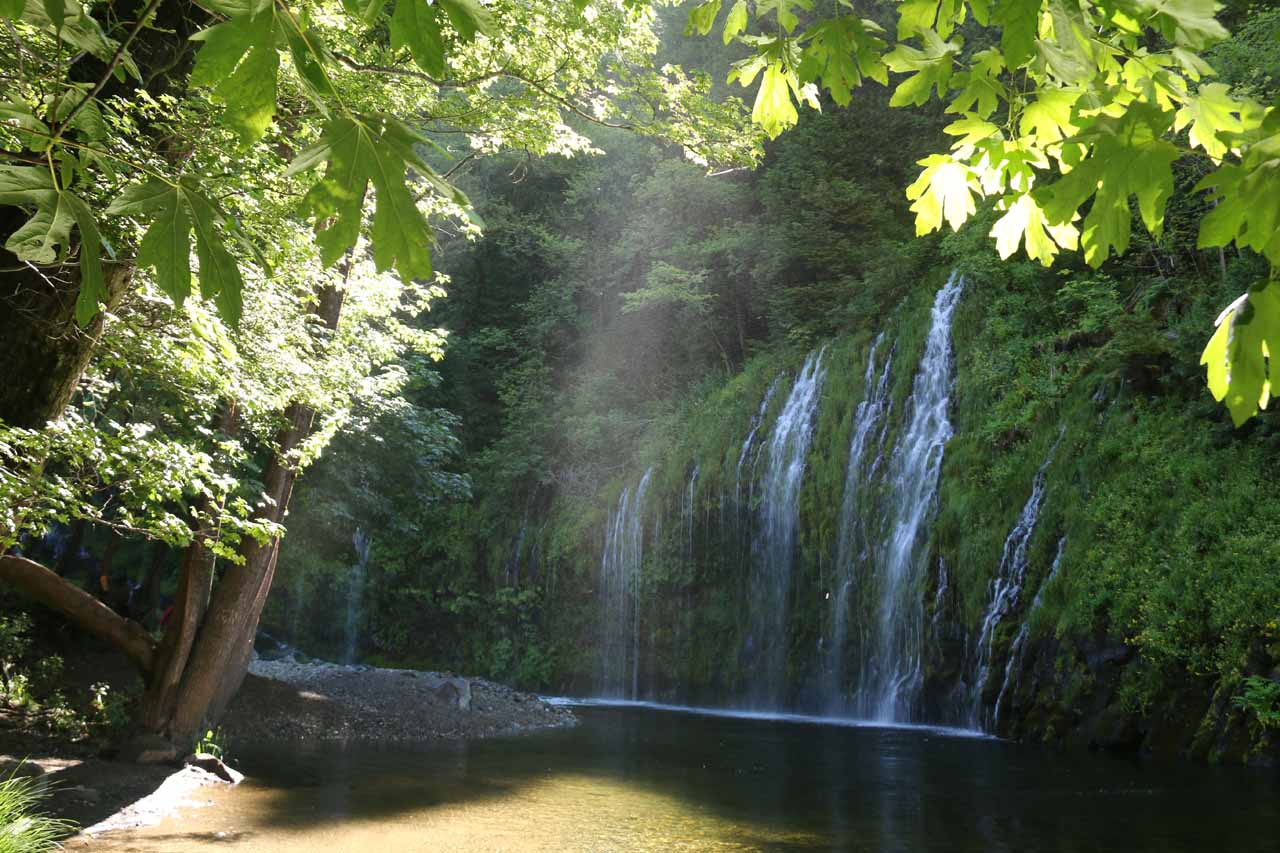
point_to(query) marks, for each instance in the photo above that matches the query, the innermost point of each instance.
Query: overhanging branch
(79, 607)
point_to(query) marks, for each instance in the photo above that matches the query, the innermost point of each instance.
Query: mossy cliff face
(1143, 592)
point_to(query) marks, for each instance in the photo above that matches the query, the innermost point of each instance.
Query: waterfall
(1018, 649)
(749, 441)
(513, 562)
(619, 588)
(687, 510)
(870, 424)
(355, 595)
(774, 546)
(893, 672)
(1006, 586)
(940, 597)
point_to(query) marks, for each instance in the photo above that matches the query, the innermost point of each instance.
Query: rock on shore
(289, 700)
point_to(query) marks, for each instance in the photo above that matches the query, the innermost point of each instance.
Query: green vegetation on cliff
(629, 313)
(638, 311)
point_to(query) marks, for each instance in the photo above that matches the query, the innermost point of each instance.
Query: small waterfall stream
(355, 595)
(619, 603)
(747, 444)
(775, 542)
(1018, 649)
(686, 511)
(1006, 586)
(870, 423)
(893, 670)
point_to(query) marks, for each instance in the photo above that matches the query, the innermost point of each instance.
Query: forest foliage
(1065, 113)
(591, 340)
(241, 200)
(637, 286)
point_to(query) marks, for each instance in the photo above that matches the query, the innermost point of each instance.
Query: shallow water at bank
(646, 778)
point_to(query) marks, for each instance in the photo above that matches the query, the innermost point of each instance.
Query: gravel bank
(288, 700)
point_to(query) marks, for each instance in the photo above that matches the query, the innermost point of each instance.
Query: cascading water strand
(775, 542)
(869, 427)
(893, 672)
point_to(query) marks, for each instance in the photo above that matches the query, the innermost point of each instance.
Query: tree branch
(121, 49)
(413, 74)
(79, 607)
(456, 166)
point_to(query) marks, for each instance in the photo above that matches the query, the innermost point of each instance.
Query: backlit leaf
(1210, 112)
(839, 52)
(415, 24)
(45, 238)
(930, 69)
(1240, 359)
(702, 18)
(1187, 23)
(1018, 21)
(357, 152)
(469, 17)
(943, 192)
(736, 22)
(166, 246)
(240, 62)
(1024, 222)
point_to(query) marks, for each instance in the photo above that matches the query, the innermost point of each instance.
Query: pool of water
(650, 778)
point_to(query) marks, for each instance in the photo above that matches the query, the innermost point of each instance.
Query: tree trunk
(222, 649)
(46, 351)
(79, 607)
(194, 584)
(210, 677)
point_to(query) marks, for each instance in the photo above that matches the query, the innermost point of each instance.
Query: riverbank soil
(73, 744)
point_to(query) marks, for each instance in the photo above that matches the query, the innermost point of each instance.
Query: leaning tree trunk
(194, 583)
(224, 644)
(79, 607)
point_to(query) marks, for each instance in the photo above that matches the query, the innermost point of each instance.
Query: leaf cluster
(1076, 113)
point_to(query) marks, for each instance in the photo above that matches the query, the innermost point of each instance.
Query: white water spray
(870, 424)
(619, 587)
(775, 543)
(893, 672)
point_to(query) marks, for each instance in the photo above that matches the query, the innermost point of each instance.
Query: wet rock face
(1069, 690)
(214, 766)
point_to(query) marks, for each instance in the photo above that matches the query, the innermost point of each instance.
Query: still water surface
(637, 778)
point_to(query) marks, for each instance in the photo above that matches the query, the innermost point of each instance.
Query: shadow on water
(633, 778)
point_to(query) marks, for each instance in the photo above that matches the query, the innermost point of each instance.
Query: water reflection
(643, 779)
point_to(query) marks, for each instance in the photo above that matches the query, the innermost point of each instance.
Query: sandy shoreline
(283, 701)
